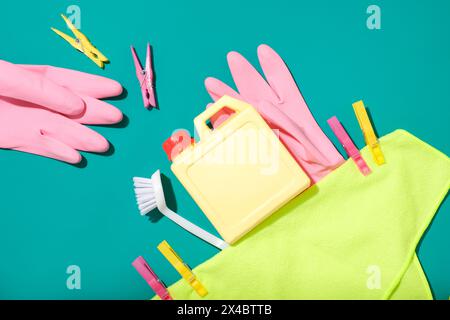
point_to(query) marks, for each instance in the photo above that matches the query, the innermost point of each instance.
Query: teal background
(53, 215)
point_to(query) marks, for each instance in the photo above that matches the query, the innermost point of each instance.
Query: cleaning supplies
(176, 143)
(348, 145)
(150, 195)
(182, 268)
(145, 77)
(239, 173)
(281, 104)
(42, 109)
(347, 237)
(82, 44)
(152, 279)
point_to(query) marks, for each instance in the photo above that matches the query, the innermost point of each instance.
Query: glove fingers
(249, 82)
(98, 112)
(81, 82)
(276, 72)
(75, 135)
(217, 89)
(281, 80)
(52, 148)
(21, 84)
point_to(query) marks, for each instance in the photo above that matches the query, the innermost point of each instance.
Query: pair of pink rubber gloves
(43, 110)
(282, 106)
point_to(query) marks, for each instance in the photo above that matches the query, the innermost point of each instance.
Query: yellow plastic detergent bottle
(238, 173)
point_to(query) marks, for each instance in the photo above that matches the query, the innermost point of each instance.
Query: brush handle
(195, 230)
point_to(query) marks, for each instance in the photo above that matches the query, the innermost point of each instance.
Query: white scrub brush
(150, 195)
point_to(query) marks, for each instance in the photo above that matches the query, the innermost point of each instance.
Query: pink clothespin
(152, 279)
(145, 77)
(349, 146)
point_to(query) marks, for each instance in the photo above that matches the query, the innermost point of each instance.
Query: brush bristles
(145, 196)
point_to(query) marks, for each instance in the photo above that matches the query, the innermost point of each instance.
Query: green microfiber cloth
(348, 237)
(413, 285)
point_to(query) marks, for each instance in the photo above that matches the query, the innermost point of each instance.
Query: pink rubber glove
(42, 109)
(281, 104)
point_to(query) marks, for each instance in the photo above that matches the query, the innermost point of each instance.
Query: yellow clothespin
(182, 268)
(369, 135)
(82, 43)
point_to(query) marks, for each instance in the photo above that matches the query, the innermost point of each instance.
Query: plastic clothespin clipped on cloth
(178, 141)
(368, 132)
(182, 268)
(82, 44)
(145, 77)
(350, 148)
(152, 279)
